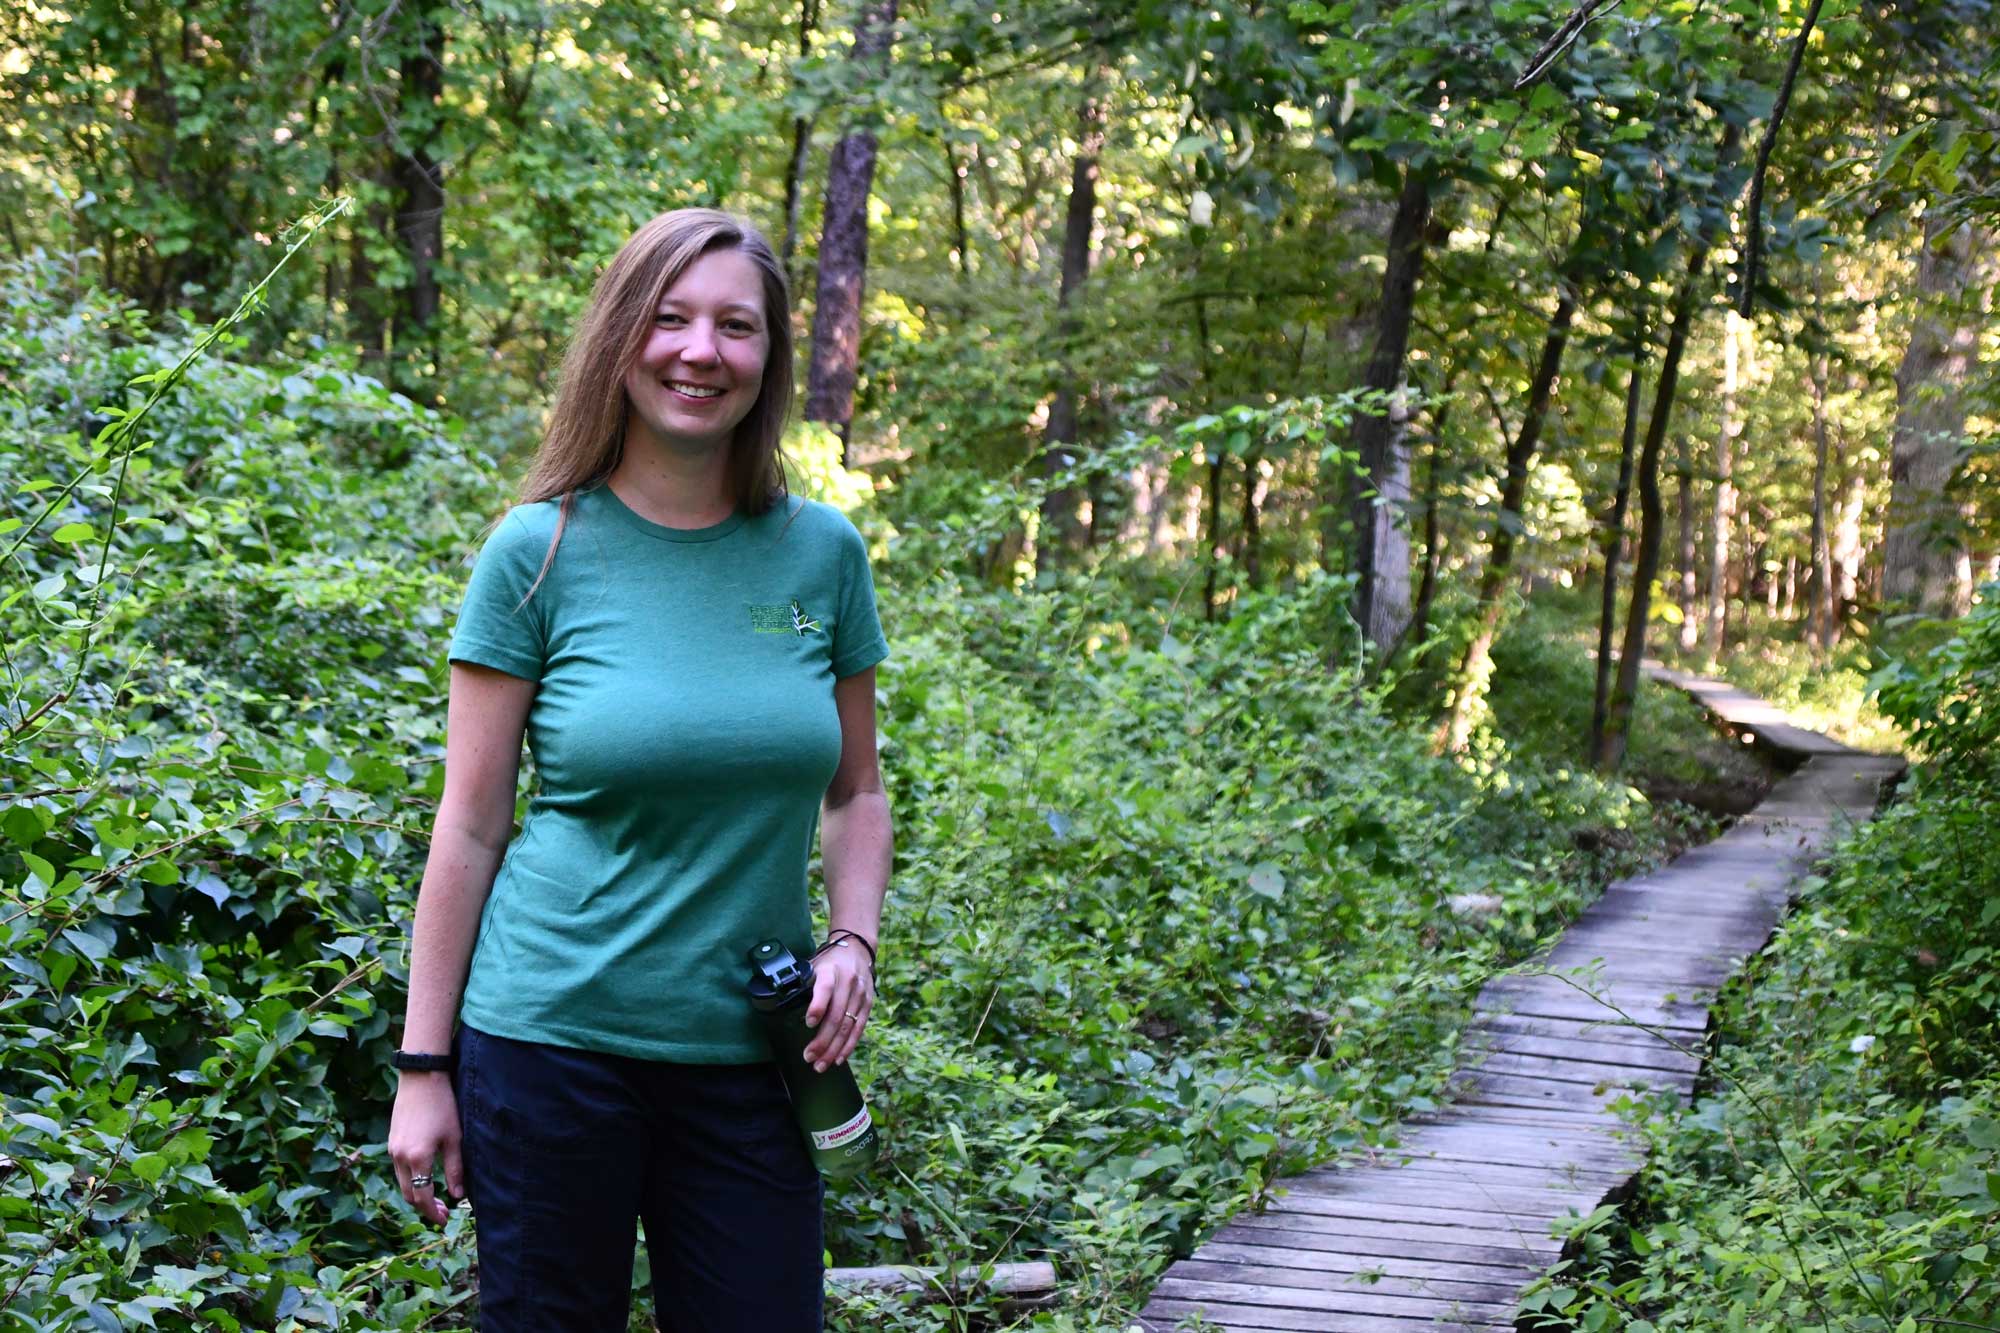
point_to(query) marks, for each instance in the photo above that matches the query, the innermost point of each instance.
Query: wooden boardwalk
(1445, 1230)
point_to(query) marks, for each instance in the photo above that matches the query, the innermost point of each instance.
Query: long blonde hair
(586, 433)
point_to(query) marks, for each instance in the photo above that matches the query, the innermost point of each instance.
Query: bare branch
(1570, 29)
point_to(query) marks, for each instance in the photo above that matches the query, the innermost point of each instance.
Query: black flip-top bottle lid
(777, 979)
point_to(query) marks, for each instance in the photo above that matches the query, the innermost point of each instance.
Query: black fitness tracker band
(419, 1061)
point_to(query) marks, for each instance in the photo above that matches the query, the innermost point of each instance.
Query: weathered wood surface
(1445, 1229)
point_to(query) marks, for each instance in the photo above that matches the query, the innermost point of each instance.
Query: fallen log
(1018, 1282)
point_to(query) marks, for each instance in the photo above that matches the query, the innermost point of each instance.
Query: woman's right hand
(424, 1127)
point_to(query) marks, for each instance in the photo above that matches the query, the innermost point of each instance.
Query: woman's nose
(698, 349)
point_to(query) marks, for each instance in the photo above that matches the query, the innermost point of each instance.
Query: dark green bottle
(839, 1134)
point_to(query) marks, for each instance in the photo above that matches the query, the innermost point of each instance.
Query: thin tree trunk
(1926, 566)
(795, 165)
(795, 171)
(418, 179)
(1476, 666)
(1420, 618)
(1062, 527)
(843, 247)
(1380, 559)
(1724, 513)
(1690, 575)
(1253, 553)
(961, 238)
(1819, 579)
(1614, 538)
(1214, 535)
(1646, 560)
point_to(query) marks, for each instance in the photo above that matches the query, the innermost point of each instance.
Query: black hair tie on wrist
(836, 936)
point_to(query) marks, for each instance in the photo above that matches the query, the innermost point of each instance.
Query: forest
(1281, 430)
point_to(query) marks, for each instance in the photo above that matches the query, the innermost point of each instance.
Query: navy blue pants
(565, 1150)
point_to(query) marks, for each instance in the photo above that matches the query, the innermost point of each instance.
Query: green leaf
(1267, 881)
(23, 825)
(40, 869)
(72, 532)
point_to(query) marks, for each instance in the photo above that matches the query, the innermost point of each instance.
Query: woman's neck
(674, 488)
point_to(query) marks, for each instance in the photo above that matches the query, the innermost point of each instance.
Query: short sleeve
(857, 634)
(495, 628)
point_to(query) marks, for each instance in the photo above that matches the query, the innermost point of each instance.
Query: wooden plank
(1589, 1162)
(1550, 998)
(1598, 963)
(1422, 1226)
(1471, 1209)
(1493, 1306)
(1392, 1187)
(1390, 1265)
(1466, 1130)
(1633, 1044)
(1429, 1247)
(1566, 1119)
(1375, 1281)
(1161, 1315)
(1530, 1175)
(1631, 1057)
(1521, 1064)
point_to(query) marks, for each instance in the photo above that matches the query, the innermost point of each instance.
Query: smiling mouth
(694, 390)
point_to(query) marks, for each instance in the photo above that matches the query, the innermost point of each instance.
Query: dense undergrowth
(1843, 1171)
(1177, 906)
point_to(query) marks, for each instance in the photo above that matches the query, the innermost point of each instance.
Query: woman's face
(702, 364)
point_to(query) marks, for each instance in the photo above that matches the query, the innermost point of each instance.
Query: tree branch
(1560, 41)
(1753, 255)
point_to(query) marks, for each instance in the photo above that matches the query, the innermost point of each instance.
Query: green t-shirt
(684, 732)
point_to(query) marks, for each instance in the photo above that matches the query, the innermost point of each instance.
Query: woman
(690, 653)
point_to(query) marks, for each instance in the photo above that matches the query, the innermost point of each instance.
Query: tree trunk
(1819, 578)
(1926, 566)
(843, 247)
(1476, 666)
(1062, 526)
(1253, 538)
(1215, 552)
(1690, 575)
(1610, 752)
(1420, 618)
(1614, 537)
(1724, 513)
(1381, 550)
(795, 165)
(961, 237)
(1847, 548)
(418, 179)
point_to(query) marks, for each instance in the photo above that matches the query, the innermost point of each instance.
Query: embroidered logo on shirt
(791, 618)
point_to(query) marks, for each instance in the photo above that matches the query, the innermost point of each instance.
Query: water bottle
(839, 1135)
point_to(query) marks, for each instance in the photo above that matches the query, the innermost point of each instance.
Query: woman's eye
(741, 326)
(667, 319)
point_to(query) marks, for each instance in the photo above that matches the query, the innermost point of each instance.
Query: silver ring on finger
(420, 1182)
(852, 1017)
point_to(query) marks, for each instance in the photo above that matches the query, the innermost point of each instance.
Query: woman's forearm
(856, 848)
(457, 878)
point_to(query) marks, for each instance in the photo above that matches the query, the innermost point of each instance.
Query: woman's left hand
(843, 997)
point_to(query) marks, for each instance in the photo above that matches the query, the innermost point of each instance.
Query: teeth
(695, 390)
